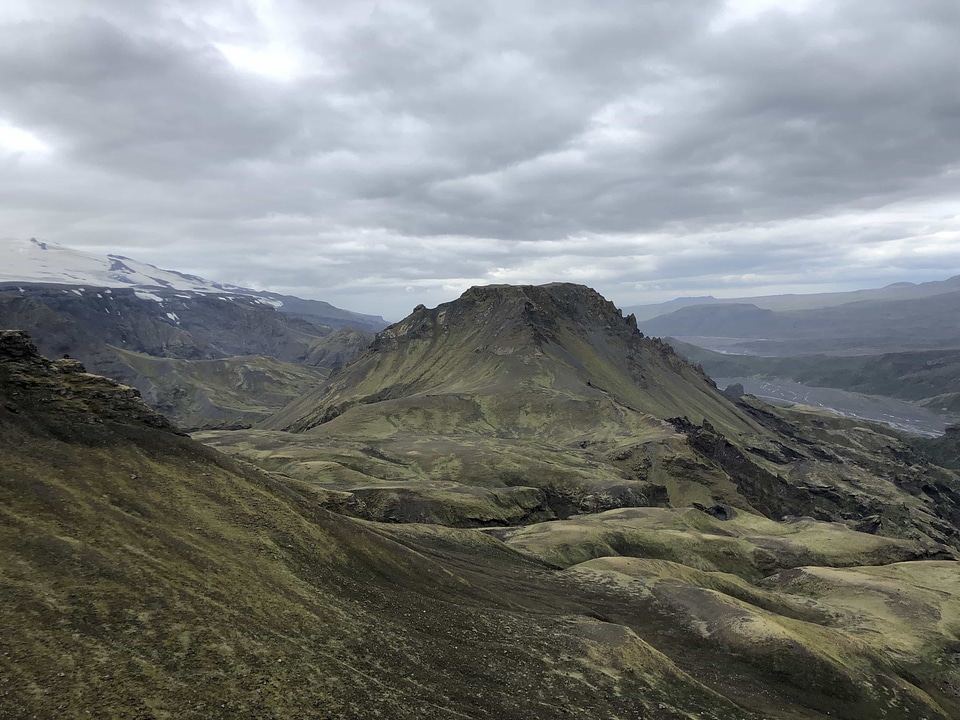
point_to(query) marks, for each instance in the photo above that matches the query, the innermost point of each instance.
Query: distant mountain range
(927, 317)
(812, 301)
(35, 262)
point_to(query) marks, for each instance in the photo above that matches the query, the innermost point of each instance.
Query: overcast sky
(386, 153)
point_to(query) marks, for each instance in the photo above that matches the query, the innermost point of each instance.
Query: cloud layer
(381, 154)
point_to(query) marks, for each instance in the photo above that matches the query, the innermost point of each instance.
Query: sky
(387, 153)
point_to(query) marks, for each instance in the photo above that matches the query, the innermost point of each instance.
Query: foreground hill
(144, 575)
(515, 405)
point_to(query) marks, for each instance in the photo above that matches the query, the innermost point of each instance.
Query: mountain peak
(512, 312)
(557, 299)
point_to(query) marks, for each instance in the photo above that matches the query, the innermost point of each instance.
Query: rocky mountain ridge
(34, 385)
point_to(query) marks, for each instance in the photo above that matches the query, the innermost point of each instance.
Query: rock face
(63, 388)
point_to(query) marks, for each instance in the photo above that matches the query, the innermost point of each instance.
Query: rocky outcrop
(30, 382)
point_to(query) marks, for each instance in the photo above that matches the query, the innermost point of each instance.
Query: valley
(899, 415)
(515, 504)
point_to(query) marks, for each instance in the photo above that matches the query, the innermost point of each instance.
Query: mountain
(514, 405)
(148, 328)
(36, 262)
(811, 301)
(498, 407)
(559, 348)
(145, 575)
(865, 327)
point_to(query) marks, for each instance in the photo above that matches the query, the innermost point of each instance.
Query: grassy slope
(889, 629)
(145, 575)
(746, 545)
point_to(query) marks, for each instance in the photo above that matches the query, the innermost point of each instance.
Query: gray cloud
(351, 151)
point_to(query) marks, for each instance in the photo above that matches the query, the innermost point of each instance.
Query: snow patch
(41, 262)
(144, 295)
(173, 316)
(271, 303)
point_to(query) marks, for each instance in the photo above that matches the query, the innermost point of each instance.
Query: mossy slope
(145, 575)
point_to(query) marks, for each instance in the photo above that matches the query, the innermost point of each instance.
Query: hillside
(145, 575)
(560, 347)
(236, 391)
